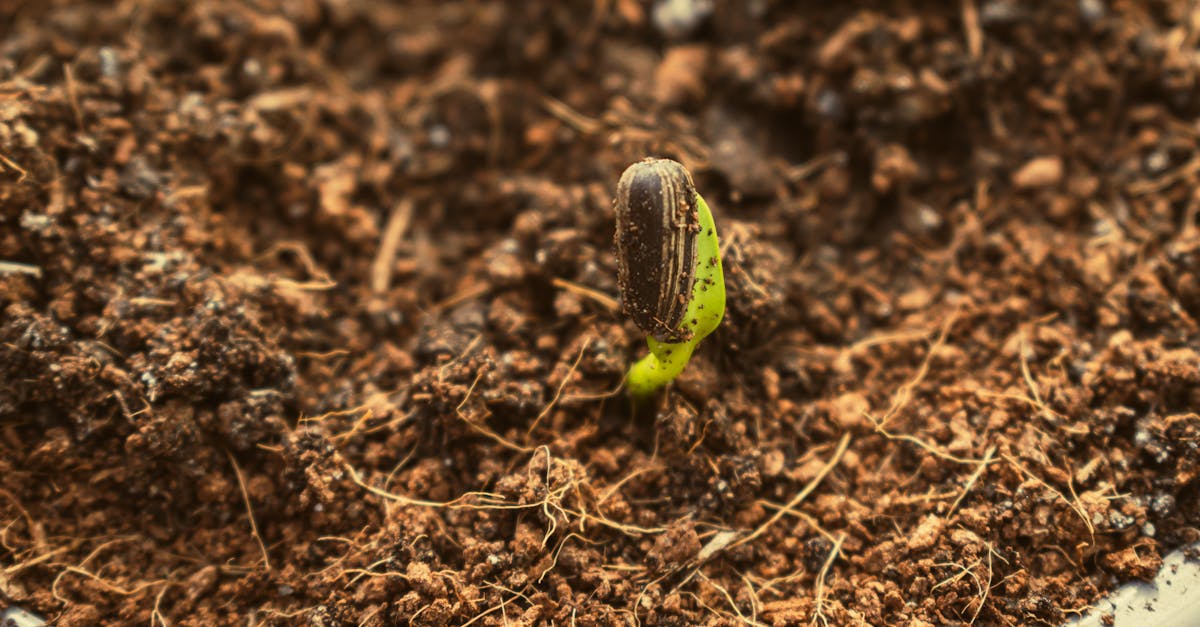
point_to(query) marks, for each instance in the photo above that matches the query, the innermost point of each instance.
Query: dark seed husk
(657, 228)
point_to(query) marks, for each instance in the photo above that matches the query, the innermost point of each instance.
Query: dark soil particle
(308, 311)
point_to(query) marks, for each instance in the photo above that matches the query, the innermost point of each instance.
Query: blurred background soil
(308, 311)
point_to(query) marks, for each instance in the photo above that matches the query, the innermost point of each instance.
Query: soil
(309, 317)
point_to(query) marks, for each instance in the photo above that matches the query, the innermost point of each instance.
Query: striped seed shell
(657, 228)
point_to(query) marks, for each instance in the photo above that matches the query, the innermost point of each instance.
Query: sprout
(669, 268)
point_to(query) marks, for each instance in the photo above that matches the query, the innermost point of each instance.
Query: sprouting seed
(669, 268)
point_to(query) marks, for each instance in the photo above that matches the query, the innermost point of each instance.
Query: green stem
(660, 367)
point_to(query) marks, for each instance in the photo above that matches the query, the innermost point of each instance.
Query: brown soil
(308, 317)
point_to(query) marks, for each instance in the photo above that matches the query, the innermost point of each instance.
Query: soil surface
(309, 311)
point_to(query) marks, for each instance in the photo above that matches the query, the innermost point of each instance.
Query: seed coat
(657, 228)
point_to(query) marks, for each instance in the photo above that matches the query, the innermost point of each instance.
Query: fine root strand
(800, 496)
(562, 385)
(983, 464)
(250, 511)
(818, 604)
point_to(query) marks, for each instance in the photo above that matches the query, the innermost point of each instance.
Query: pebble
(829, 104)
(16, 617)
(1039, 172)
(1092, 11)
(110, 63)
(680, 18)
(849, 410)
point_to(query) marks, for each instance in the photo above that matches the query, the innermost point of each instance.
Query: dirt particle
(849, 411)
(1039, 172)
(927, 533)
(676, 546)
(679, 78)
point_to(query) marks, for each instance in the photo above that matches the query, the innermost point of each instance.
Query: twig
(974, 35)
(963, 571)
(606, 301)
(596, 396)
(904, 394)
(820, 595)
(250, 511)
(13, 267)
(922, 444)
(729, 599)
(19, 566)
(983, 464)
(458, 503)
(1047, 413)
(147, 301)
(156, 613)
(800, 172)
(558, 394)
(35, 531)
(808, 519)
(303, 286)
(99, 549)
(614, 488)
(303, 254)
(482, 429)
(500, 606)
(755, 602)
(573, 118)
(73, 94)
(393, 233)
(15, 167)
(987, 588)
(465, 295)
(1075, 505)
(796, 500)
(107, 585)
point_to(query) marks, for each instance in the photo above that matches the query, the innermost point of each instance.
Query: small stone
(36, 222)
(829, 104)
(439, 136)
(894, 166)
(504, 266)
(914, 300)
(110, 63)
(772, 463)
(1039, 172)
(1163, 505)
(849, 410)
(1156, 162)
(17, 617)
(999, 13)
(139, 180)
(680, 18)
(1092, 11)
(927, 533)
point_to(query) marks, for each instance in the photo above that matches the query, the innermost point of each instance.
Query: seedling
(669, 268)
